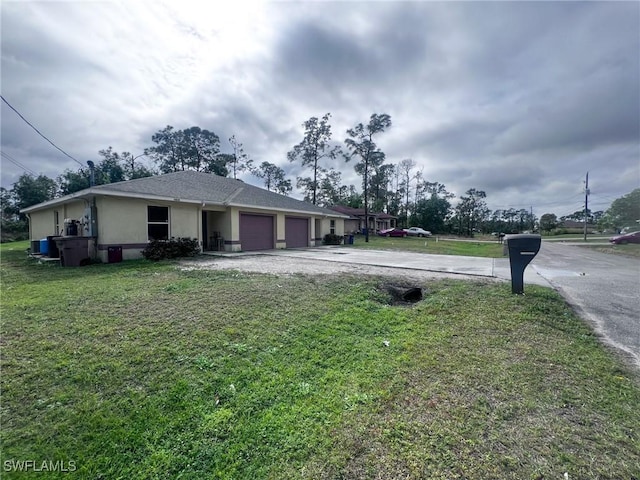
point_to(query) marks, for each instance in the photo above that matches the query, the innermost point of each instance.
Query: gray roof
(196, 187)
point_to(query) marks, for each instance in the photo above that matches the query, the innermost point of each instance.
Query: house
(221, 213)
(356, 221)
(572, 224)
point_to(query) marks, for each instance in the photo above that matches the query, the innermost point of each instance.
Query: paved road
(604, 288)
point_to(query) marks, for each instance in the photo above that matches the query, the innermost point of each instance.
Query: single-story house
(221, 213)
(356, 221)
(572, 224)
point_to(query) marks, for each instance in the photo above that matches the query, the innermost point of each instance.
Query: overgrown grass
(431, 245)
(140, 370)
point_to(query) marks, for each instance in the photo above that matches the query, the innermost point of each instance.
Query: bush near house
(332, 239)
(173, 248)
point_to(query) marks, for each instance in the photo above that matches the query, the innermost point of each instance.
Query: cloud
(518, 99)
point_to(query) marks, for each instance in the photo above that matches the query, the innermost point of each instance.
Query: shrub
(173, 248)
(332, 239)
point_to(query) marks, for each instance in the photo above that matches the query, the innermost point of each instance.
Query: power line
(39, 132)
(17, 163)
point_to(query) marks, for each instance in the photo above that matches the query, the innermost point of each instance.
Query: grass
(432, 246)
(141, 370)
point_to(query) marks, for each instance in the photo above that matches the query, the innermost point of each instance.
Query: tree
(432, 213)
(623, 212)
(71, 181)
(30, 190)
(238, 160)
(471, 210)
(360, 144)
(548, 222)
(314, 147)
(274, 178)
(380, 179)
(109, 169)
(189, 149)
(132, 169)
(405, 167)
(12, 227)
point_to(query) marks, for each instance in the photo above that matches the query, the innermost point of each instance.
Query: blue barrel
(44, 246)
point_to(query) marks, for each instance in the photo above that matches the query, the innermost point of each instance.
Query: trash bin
(522, 249)
(44, 247)
(351, 239)
(74, 251)
(53, 247)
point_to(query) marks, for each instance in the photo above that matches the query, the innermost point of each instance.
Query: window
(56, 220)
(158, 223)
(332, 227)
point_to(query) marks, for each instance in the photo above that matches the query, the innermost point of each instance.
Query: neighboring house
(578, 225)
(356, 221)
(221, 213)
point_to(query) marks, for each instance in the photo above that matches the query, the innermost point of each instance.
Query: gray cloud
(519, 99)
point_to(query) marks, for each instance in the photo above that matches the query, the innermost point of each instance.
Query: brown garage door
(296, 232)
(256, 232)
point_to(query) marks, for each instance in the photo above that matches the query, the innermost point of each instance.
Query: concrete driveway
(603, 288)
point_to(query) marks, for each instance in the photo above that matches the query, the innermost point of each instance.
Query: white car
(417, 232)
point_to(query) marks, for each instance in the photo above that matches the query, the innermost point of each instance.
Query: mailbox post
(522, 248)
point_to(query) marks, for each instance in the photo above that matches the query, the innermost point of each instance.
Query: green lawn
(432, 245)
(141, 370)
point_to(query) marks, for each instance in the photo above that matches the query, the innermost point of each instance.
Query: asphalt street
(603, 288)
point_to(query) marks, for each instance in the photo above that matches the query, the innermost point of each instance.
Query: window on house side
(332, 228)
(158, 223)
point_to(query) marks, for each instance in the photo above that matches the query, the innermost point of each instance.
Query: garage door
(296, 232)
(256, 232)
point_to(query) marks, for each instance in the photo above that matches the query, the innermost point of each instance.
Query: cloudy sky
(517, 99)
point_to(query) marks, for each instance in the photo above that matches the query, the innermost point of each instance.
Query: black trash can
(53, 251)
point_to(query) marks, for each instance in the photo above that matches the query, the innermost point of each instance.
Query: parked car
(633, 237)
(417, 232)
(392, 232)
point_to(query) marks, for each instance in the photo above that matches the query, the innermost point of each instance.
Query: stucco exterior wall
(325, 227)
(280, 231)
(123, 222)
(43, 223)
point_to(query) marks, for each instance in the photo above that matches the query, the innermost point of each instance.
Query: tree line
(398, 189)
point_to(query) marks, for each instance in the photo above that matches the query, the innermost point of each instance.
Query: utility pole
(586, 204)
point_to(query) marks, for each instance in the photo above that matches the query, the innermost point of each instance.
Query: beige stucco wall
(43, 223)
(325, 227)
(124, 222)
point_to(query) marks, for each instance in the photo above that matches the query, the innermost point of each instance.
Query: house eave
(278, 209)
